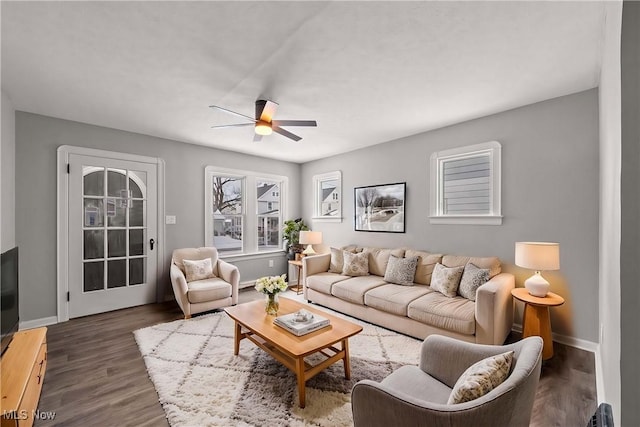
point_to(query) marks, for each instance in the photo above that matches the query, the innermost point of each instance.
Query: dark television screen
(9, 295)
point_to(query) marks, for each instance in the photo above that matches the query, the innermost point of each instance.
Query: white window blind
(467, 186)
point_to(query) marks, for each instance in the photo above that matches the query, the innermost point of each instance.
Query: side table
(298, 265)
(536, 319)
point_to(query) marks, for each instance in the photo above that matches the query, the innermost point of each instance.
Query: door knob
(151, 243)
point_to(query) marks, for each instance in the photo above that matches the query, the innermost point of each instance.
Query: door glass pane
(117, 242)
(116, 212)
(116, 273)
(93, 181)
(93, 276)
(136, 242)
(93, 244)
(116, 182)
(138, 184)
(93, 212)
(136, 271)
(137, 213)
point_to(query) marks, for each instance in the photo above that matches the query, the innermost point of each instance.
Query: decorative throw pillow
(446, 280)
(401, 270)
(198, 270)
(472, 278)
(355, 264)
(481, 377)
(337, 261)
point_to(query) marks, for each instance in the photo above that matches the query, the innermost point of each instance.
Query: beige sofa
(417, 310)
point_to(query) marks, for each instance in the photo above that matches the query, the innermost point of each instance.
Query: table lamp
(310, 238)
(538, 256)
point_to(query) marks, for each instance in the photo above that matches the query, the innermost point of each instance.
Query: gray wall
(8, 178)
(37, 139)
(550, 186)
(630, 193)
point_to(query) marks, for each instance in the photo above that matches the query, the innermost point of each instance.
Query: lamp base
(309, 250)
(537, 285)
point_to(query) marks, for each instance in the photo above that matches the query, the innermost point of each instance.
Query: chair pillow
(481, 377)
(401, 270)
(198, 269)
(355, 264)
(446, 279)
(472, 278)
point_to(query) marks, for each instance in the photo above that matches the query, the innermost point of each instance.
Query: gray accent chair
(208, 294)
(417, 395)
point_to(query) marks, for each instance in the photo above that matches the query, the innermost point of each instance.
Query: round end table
(536, 319)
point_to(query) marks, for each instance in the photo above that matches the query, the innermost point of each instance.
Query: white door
(112, 234)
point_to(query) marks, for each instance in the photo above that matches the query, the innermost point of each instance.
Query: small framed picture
(380, 208)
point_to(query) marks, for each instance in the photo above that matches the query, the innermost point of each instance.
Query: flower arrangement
(272, 284)
(270, 287)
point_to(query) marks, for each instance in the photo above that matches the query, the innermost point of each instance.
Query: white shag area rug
(201, 383)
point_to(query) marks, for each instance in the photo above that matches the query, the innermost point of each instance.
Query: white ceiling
(367, 72)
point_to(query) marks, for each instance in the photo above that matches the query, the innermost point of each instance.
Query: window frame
(493, 149)
(249, 208)
(317, 192)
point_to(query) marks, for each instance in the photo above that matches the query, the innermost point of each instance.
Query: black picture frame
(380, 208)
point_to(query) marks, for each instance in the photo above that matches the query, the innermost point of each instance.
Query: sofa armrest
(494, 309)
(314, 264)
(230, 274)
(180, 288)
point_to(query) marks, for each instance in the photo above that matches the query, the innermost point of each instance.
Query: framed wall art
(380, 208)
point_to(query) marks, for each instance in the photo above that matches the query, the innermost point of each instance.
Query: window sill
(467, 219)
(326, 219)
(252, 256)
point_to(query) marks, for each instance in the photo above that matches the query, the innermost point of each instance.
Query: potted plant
(291, 233)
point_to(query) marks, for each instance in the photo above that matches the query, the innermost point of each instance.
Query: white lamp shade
(539, 256)
(310, 237)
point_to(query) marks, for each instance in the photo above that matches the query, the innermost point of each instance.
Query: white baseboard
(38, 323)
(566, 340)
(247, 284)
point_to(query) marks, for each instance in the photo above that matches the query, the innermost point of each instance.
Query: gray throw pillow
(472, 278)
(401, 270)
(337, 261)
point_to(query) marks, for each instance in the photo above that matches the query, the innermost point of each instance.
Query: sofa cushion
(394, 298)
(424, 268)
(354, 288)
(355, 264)
(208, 290)
(378, 259)
(472, 278)
(492, 262)
(446, 280)
(337, 260)
(401, 270)
(322, 282)
(453, 314)
(481, 377)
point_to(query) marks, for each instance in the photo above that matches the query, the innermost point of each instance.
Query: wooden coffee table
(254, 324)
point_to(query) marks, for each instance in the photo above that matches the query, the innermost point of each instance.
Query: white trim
(491, 148)
(62, 227)
(566, 340)
(317, 204)
(600, 388)
(38, 323)
(249, 257)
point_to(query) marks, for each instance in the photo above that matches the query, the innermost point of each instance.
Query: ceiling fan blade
(257, 138)
(232, 112)
(233, 126)
(285, 133)
(268, 111)
(294, 123)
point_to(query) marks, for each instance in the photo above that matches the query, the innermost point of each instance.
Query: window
(465, 185)
(243, 211)
(328, 197)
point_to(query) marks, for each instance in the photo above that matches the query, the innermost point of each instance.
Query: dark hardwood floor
(96, 376)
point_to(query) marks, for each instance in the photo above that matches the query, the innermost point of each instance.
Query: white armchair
(198, 296)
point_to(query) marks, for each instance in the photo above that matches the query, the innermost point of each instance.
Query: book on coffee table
(301, 326)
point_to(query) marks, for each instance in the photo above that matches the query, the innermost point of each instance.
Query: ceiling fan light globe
(263, 128)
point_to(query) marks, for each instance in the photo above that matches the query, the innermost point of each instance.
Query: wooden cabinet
(23, 366)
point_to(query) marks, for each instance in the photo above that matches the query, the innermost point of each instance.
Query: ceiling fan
(264, 123)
